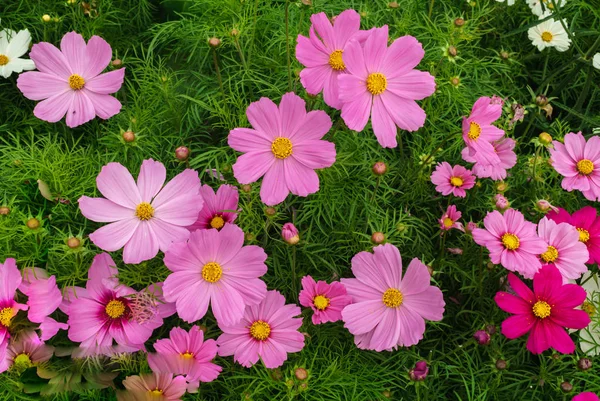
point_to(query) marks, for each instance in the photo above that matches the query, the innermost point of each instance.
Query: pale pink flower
(69, 80)
(326, 300)
(146, 216)
(153, 387)
(25, 351)
(452, 180)
(479, 133)
(219, 208)
(496, 171)
(450, 219)
(10, 279)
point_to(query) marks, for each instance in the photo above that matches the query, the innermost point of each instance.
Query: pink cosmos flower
(26, 350)
(10, 279)
(326, 300)
(268, 331)
(219, 209)
(579, 162)
(186, 353)
(479, 133)
(146, 216)
(285, 146)
(69, 80)
(564, 251)
(496, 171)
(153, 387)
(450, 219)
(512, 241)
(389, 310)
(587, 396)
(544, 312)
(322, 54)
(452, 180)
(382, 84)
(587, 224)
(214, 267)
(290, 234)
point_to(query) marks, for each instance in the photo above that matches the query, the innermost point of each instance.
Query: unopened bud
(470, 227)
(363, 14)
(501, 186)
(235, 32)
(566, 387)
(459, 22)
(501, 364)
(378, 238)
(386, 393)
(249, 237)
(501, 202)
(584, 364)
(128, 136)
(214, 42)
(182, 153)
(490, 328)
(504, 55)
(393, 4)
(379, 168)
(544, 206)
(289, 233)
(246, 188)
(4, 211)
(307, 2)
(46, 18)
(420, 371)
(541, 100)
(276, 374)
(545, 138)
(33, 223)
(117, 62)
(270, 211)
(482, 337)
(455, 81)
(301, 373)
(452, 51)
(73, 242)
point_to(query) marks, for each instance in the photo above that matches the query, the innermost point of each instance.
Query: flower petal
(107, 83)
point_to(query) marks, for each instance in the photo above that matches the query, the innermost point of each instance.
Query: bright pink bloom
(146, 216)
(389, 310)
(450, 219)
(496, 171)
(219, 209)
(268, 330)
(215, 267)
(564, 251)
(544, 312)
(285, 146)
(326, 300)
(382, 84)
(587, 396)
(587, 224)
(10, 279)
(322, 54)
(186, 353)
(289, 233)
(512, 241)
(71, 82)
(25, 350)
(479, 133)
(579, 162)
(153, 387)
(452, 180)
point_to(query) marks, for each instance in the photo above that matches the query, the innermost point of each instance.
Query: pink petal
(416, 279)
(272, 354)
(73, 47)
(116, 184)
(300, 180)
(324, 29)
(50, 60)
(575, 145)
(387, 332)
(227, 304)
(274, 188)
(355, 113)
(81, 110)
(40, 85)
(151, 179)
(571, 318)
(404, 54)
(55, 107)
(107, 83)
(142, 245)
(383, 124)
(413, 327)
(520, 288)
(517, 325)
(313, 79)
(292, 111)
(346, 24)
(248, 140)
(263, 115)
(190, 295)
(315, 154)
(428, 304)
(354, 60)
(105, 106)
(414, 85)
(512, 304)
(98, 53)
(114, 236)
(10, 279)
(331, 90)
(183, 186)
(251, 166)
(362, 317)
(406, 113)
(167, 233)
(308, 55)
(375, 49)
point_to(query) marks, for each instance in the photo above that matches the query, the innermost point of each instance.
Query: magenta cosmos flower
(587, 396)
(186, 353)
(146, 216)
(25, 351)
(326, 300)
(564, 251)
(153, 387)
(389, 310)
(450, 219)
(285, 146)
(545, 312)
(498, 171)
(10, 277)
(69, 80)
(587, 224)
(219, 208)
(382, 84)
(268, 331)
(214, 267)
(579, 162)
(322, 54)
(479, 133)
(512, 241)
(452, 180)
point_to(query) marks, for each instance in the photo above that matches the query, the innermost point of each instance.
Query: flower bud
(214, 42)
(541, 100)
(386, 393)
(301, 373)
(482, 337)
(276, 374)
(470, 227)
(566, 387)
(289, 233)
(393, 4)
(4, 211)
(452, 51)
(307, 2)
(46, 18)
(501, 364)
(430, 270)
(490, 328)
(128, 136)
(501, 202)
(117, 62)
(363, 14)
(270, 211)
(73, 242)
(379, 168)
(544, 206)
(33, 223)
(420, 371)
(249, 237)
(455, 81)
(584, 364)
(182, 153)
(504, 55)
(501, 186)
(459, 22)
(247, 188)
(378, 238)
(545, 138)
(235, 32)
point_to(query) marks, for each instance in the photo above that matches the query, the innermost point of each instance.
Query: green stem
(294, 278)
(241, 53)
(216, 61)
(431, 2)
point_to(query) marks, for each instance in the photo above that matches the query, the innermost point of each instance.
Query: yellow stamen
(156, 392)
(589, 308)
(541, 309)
(76, 82)
(457, 181)
(474, 130)
(321, 302)
(550, 255)
(3, 60)
(115, 309)
(260, 330)
(187, 355)
(448, 222)
(585, 166)
(23, 361)
(392, 298)
(547, 36)
(144, 211)
(376, 83)
(336, 61)
(212, 272)
(6, 316)
(510, 241)
(584, 235)
(281, 148)
(217, 222)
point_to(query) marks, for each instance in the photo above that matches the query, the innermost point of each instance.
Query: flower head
(25, 351)
(154, 387)
(587, 396)
(326, 300)
(550, 33)
(496, 171)
(419, 372)
(479, 133)
(13, 46)
(482, 337)
(544, 7)
(450, 219)
(219, 208)
(10, 277)
(587, 224)
(452, 180)
(289, 233)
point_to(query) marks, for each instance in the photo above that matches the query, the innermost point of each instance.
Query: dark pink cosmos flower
(587, 223)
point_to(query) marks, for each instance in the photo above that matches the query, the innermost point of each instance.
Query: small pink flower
(587, 224)
(479, 133)
(322, 54)
(219, 209)
(285, 147)
(545, 312)
(153, 387)
(289, 233)
(26, 350)
(326, 300)
(579, 162)
(382, 84)
(482, 337)
(450, 219)
(452, 180)
(10, 279)
(419, 372)
(587, 396)
(512, 241)
(144, 216)
(496, 171)
(69, 80)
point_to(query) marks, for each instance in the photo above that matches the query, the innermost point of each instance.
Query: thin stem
(294, 279)
(216, 61)
(437, 149)
(431, 7)
(240, 52)
(287, 43)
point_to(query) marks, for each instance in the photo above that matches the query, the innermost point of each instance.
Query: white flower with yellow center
(541, 7)
(589, 338)
(13, 45)
(549, 33)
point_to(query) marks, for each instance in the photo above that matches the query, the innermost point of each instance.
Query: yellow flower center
(281, 148)
(187, 355)
(448, 222)
(212, 272)
(76, 82)
(144, 211)
(392, 298)
(3, 60)
(585, 166)
(456, 181)
(584, 235)
(336, 61)
(260, 330)
(6, 316)
(321, 302)
(550, 255)
(156, 392)
(115, 309)
(217, 222)
(589, 308)
(547, 36)
(474, 130)
(510, 241)
(376, 83)
(541, 309)
(23, 361)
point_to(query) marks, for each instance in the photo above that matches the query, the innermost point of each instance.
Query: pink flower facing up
(25, 351)
(153, 387)
(587, 224)
(545, 312)
(214, 267)
(69, 80)
(146, 216)
(479, 133)
(496, 171)
(389, 310)
(452, 180)
(285, 146)
(579, 162)
(326, 300)
(186, 353)
(587, 396)
(219, 208)
(382, 84)
(10, 279)
(564, 251)
(322, 54)
(450, 219)
(512, 241)
(268, 331)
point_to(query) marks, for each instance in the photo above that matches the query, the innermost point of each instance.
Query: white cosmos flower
(540, 7)
(549, 33)
(508, 2)
(596, 61)
(13, 45)
(589, 338)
